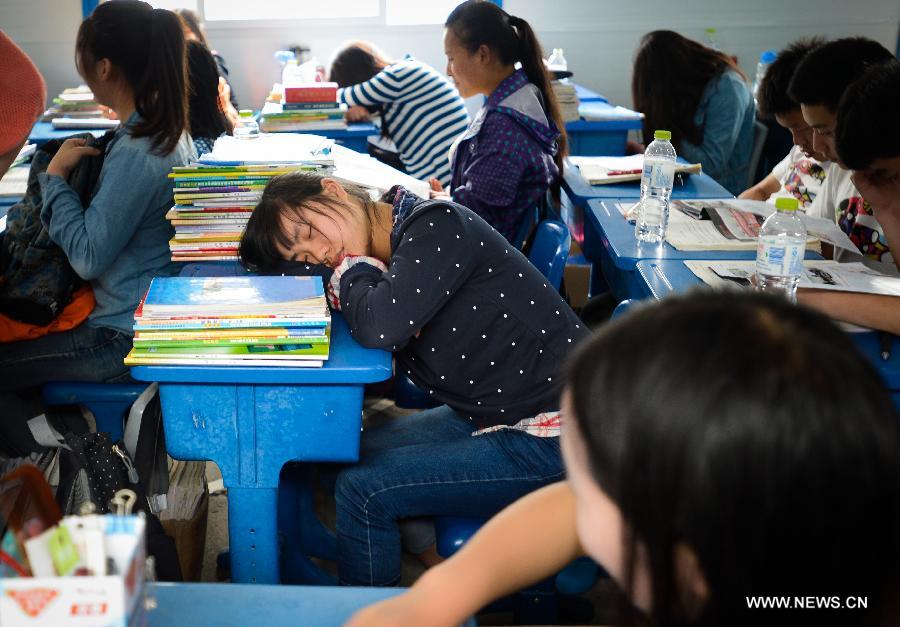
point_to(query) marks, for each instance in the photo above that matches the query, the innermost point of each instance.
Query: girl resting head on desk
(474, 325)
(704, 480)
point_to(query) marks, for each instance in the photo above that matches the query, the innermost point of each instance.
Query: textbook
(817, 274)
(255, 351)
(607, 170)
(248, 295)
(311, 92)
(133, 360)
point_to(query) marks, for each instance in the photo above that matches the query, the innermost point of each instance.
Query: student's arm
(762, 190)
(868, 310)
(528, 541)
(93, 238)
(429, 264)
(725, 112)
(493, 176)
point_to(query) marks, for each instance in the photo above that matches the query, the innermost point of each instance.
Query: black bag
(91, 469)
(36, 280)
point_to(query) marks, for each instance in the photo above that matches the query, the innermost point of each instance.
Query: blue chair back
(550, 250)
(529, 219)
(109, 402)
(624, 307)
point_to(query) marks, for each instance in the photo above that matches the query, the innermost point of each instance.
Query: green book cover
(257, 351)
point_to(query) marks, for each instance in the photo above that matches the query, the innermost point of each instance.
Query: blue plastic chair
(109, 402)
(549, 252)
(624, 307)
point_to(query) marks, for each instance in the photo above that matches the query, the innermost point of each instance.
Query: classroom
(389, 313)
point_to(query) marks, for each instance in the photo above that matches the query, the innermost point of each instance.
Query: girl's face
(463, 67)
(601, 527)
(325, 233)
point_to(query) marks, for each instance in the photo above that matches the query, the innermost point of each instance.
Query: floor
(603, 604)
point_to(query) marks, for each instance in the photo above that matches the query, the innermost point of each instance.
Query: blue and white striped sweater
(422, 110)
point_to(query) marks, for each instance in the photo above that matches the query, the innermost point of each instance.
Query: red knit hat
(22, 94)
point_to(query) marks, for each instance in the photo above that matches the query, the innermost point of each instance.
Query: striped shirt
(423, 113)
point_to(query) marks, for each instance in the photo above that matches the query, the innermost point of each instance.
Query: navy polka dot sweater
(474, 324)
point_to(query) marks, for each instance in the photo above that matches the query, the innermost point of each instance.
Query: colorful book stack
(213, 204)
(73, 102)
(305, 107)
(280, 321)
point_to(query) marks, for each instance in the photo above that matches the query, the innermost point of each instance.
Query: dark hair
(206, 116)
(669, 77)
(290, 195)
(827, 71)
(477, 23)
(190, 21)
(357, 63)
(147, 46)
(773, 97)
(753, 431)
(867, 126)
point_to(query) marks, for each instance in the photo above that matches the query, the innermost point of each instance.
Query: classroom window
(288, 9)
(407, 12)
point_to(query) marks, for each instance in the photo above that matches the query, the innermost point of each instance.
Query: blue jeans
(81, 354)
(429, 464)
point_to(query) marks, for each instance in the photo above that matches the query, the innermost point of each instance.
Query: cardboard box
(110, 601)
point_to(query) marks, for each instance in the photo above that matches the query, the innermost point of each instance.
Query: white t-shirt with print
(800, 177)
(842, 201)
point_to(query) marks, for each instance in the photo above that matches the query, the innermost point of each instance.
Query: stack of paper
(74, 102)
(567, 99)
(214, 202)
(607, 170)
(232, 321)
(603, 111)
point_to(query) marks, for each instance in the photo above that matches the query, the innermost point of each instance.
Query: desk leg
(253, 534)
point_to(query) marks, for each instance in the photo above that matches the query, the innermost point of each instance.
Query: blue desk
(227, 605)
(609, 243)
(586, 95)
(42, 132)
(662, 277)
(599, 137)
(252, 421)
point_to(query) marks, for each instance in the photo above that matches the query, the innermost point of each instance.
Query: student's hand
(883, 195)
(437, 190)
(753, 194)
(68, 156)
(634, 148)
(225, 102)
(357, 113)
(400, 611)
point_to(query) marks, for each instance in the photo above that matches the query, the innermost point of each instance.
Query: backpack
(36, 280)
(91, 468)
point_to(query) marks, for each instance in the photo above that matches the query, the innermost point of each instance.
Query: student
(513, 150)
(868, 142)
(132, 58)
(698, 479)
(22, 98)
(207, 120)
(801, 173)
(193, 31)
(471, 321)
(818, 84)
(701, 95)
(420, 111)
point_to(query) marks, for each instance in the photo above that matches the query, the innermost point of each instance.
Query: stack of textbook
(76, 108)
(304, 107)
(213, 203)
(280, 321)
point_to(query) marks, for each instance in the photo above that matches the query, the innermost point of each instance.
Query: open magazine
(733, 224)
(818, 274)
(603, 170)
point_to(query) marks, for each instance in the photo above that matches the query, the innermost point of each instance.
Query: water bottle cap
(768, 56)
(246, 113)
(787, 204)
(666, 135)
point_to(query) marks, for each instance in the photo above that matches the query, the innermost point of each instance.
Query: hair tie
(514, 21)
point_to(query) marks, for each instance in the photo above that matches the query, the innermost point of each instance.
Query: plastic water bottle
(779, 253)
(766, 59)
(557, 61)
(246, 127)
(656, 188)
(711, 39)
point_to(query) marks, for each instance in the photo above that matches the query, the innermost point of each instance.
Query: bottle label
(777, 257)
(659, 173)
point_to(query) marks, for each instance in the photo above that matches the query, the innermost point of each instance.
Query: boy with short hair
(871, 148)
(818, 84)
(801, 173)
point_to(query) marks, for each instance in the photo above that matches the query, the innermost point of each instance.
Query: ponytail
(478, 23)
(147, 46)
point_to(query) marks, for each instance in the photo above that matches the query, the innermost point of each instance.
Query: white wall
(599, 36)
